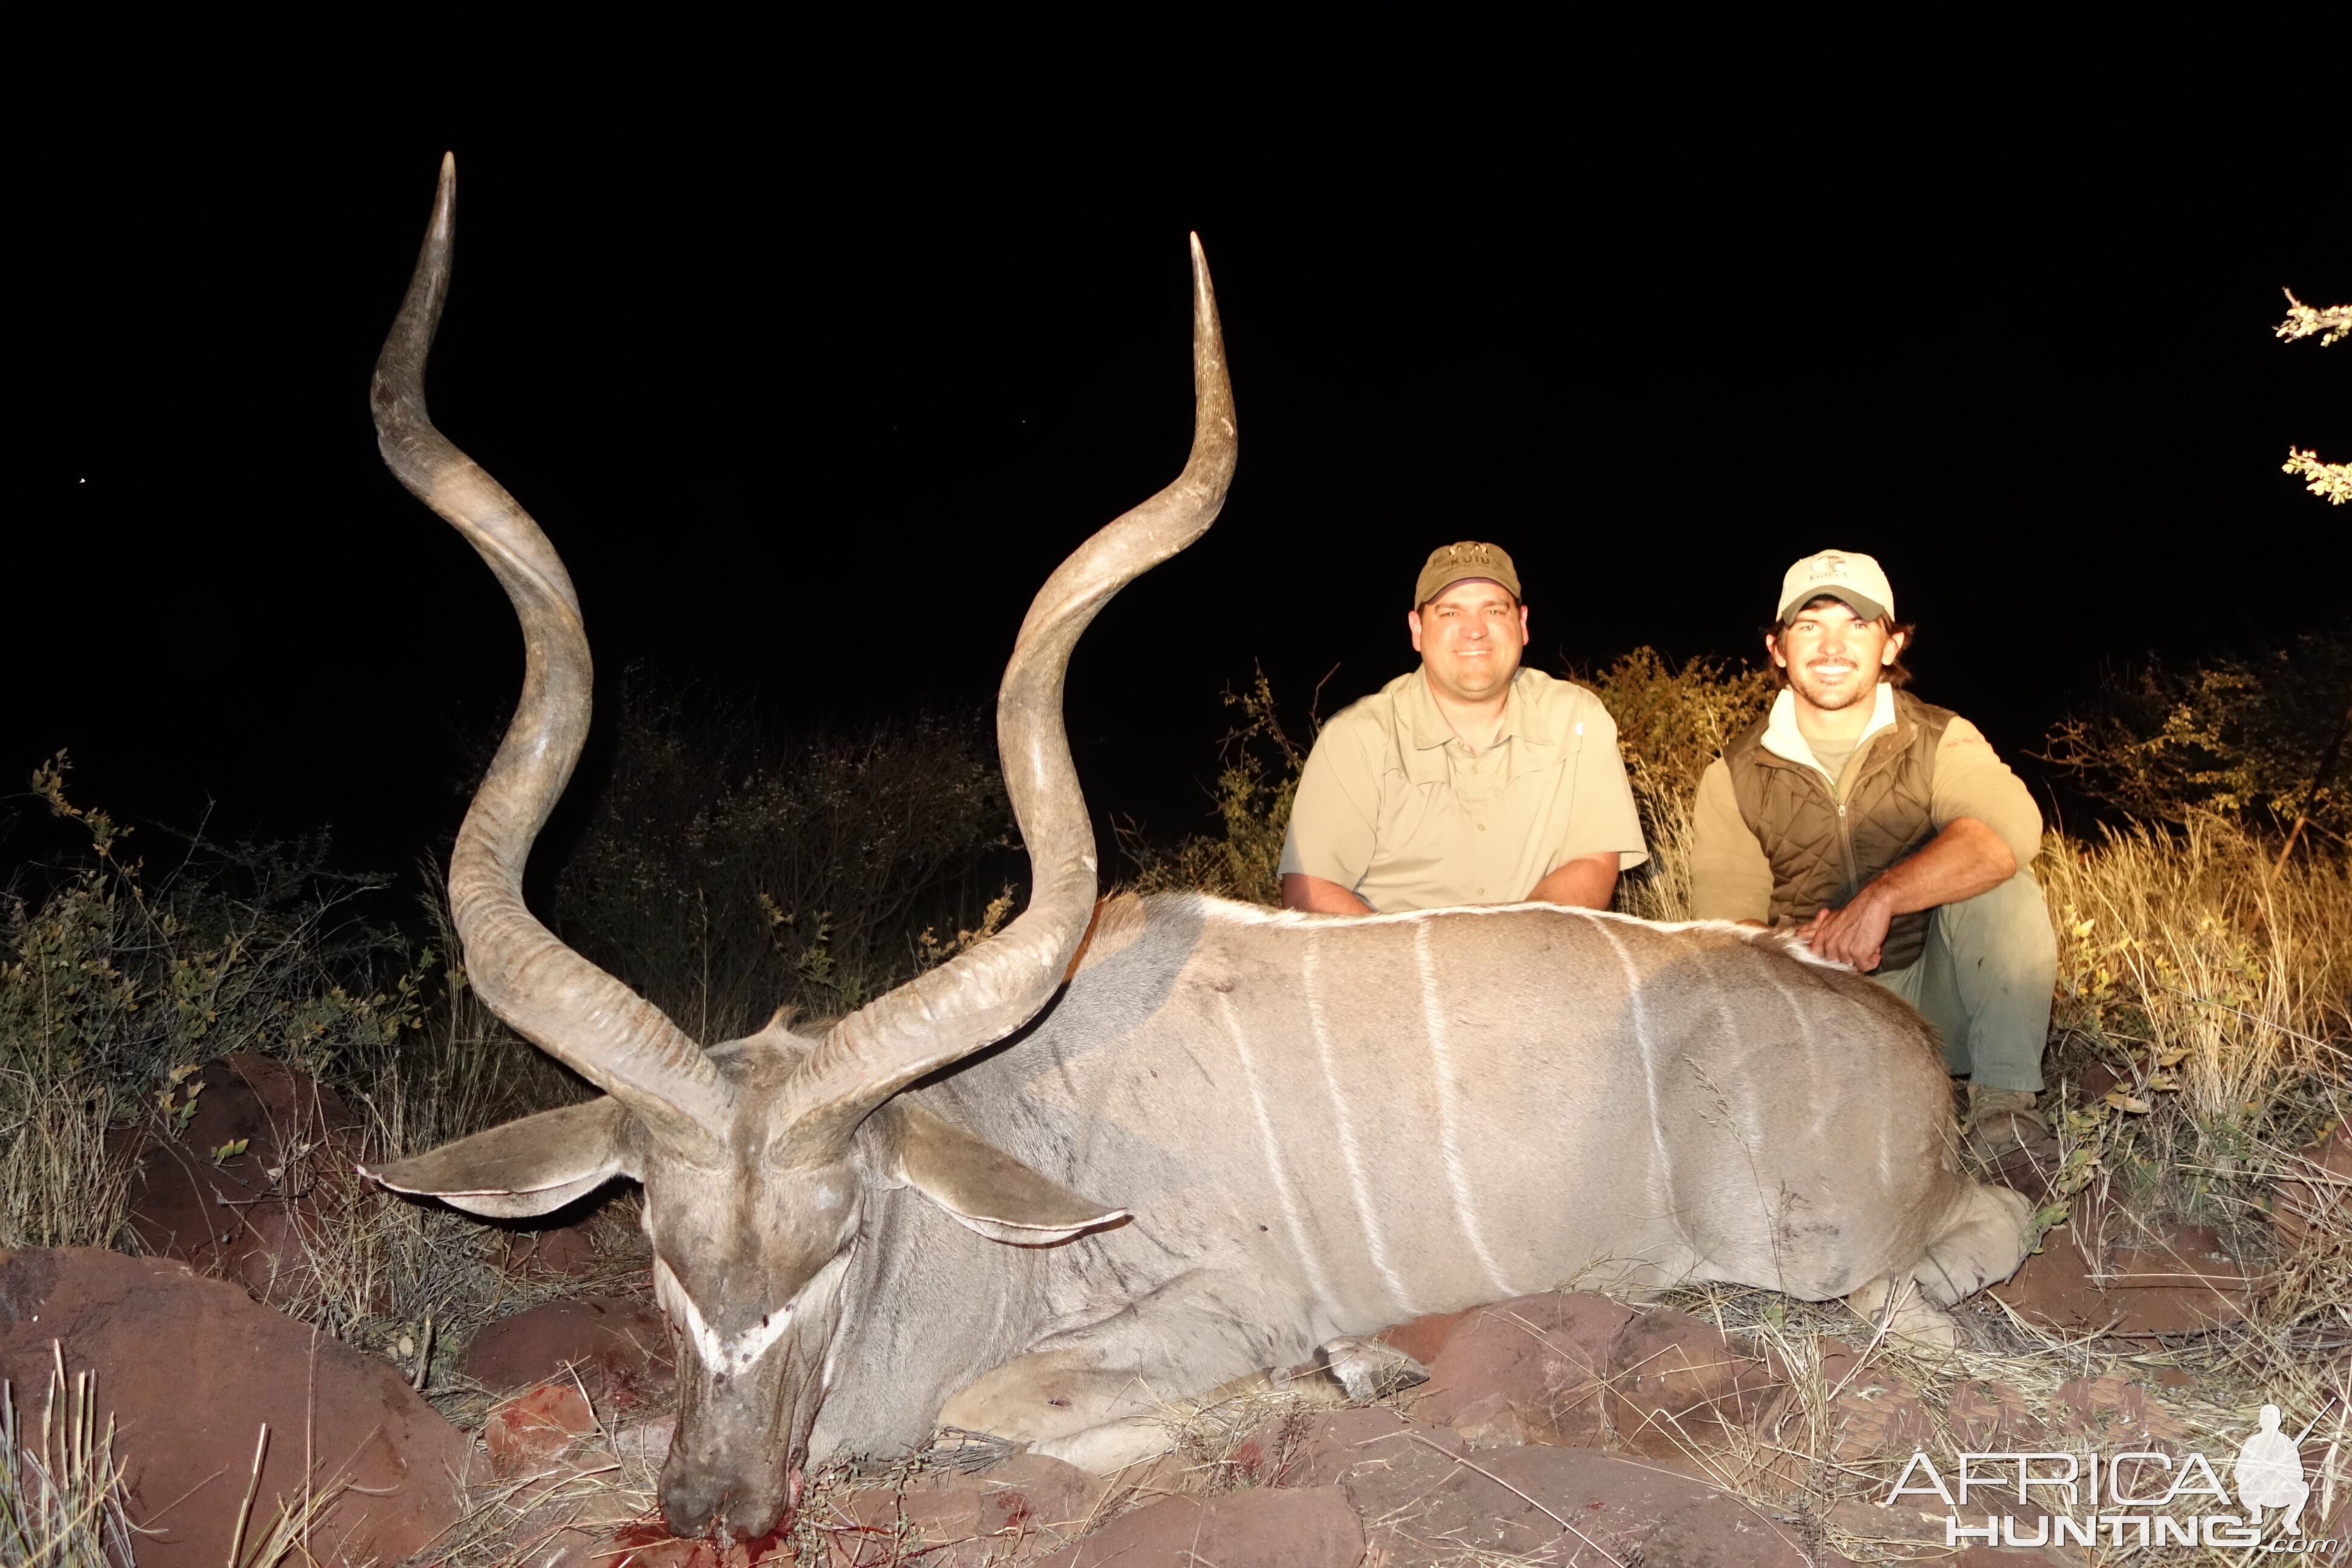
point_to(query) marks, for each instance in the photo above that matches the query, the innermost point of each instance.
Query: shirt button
(1482, 828)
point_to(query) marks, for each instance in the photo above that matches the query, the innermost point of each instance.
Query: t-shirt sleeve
(1601, 815)
(1973, 780)
(1731, 879)
(1335, 817)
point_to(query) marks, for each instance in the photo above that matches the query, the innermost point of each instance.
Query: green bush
(726, 870)
(2238, 736)
(114, 989)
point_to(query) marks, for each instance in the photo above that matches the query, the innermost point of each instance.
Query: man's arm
(1332, 832)
(1317, 896)
(1731, 878)
(1588, 881)
(1963, 861)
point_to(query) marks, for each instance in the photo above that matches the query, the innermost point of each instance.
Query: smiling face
(749, 1262)
(1834, 657)
(1469, 638)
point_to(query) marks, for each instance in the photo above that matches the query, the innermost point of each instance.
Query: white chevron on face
(731, 1357)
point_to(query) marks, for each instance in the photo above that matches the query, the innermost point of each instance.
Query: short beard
(1862, 691)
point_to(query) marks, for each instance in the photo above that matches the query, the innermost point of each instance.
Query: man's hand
(1855, 934)
(1589, 882)
(1317, 896)
(1963, 861)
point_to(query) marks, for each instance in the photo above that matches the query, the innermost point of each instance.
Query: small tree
(2331, 481)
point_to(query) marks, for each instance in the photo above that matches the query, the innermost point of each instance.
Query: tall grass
(1673, 720)
(2216, 993)
(114, 986)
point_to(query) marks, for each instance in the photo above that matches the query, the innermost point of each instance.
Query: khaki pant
(1985, 982)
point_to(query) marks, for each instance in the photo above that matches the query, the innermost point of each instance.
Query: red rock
(1022, 1508)
(1676, 1383)
(563, 1252)
(1879, 1415)
(1261, 1528)
(2316, 1196)
(2176, 1280)
(534, 1429)
(1315, 1447)
(255, 1215)
(191, 1368)
(1529, 1370)
(1422, 1338)
(619, 1348)
(1990, 1419)
(1549, 1504)
(2110, 1409)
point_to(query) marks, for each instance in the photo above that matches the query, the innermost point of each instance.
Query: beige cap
(1462, 563)
(1846, 574)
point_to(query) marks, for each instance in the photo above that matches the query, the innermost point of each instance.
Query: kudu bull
(1315, 1126)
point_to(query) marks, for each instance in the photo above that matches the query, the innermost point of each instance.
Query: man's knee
(2005, 929)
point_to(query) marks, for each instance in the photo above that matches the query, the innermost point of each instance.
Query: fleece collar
(1784, 739)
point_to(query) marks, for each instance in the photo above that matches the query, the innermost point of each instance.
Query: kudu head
(760, 1158)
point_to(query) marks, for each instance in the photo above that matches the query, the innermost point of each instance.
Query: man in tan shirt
(1469, 781)
(1889, 833)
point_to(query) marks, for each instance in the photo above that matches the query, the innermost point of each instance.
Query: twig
(253, 1485)
(425, 1355)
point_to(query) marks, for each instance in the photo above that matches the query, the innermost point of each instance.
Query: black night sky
(811, 421)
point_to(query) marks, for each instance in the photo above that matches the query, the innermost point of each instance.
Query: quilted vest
(1821, 852)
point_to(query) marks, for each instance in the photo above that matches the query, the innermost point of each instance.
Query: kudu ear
(534, 1166)
(981, 1186)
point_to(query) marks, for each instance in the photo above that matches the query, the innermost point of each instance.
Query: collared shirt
(1393, 806)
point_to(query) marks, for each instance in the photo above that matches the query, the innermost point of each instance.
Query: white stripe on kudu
(1433, 1012)
(1649, 1076)
(1310, 975)
(1291, 1215)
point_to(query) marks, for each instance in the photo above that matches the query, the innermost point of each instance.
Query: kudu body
(1316, 1126)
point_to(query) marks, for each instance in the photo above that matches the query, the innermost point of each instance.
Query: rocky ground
(1725, 1428)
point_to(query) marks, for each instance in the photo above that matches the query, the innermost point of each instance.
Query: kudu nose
(698, 1501)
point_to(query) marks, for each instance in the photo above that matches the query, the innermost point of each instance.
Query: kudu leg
(1113, 1392)
(1102, 1419)
(1983, 1242)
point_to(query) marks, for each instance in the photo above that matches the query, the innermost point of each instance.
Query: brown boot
(2009, 1140)
(2002, 1119)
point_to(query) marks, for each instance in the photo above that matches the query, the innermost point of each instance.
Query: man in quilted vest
(1889, 834)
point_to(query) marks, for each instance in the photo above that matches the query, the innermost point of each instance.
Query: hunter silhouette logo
(2270, 1473)
(2131, 1500)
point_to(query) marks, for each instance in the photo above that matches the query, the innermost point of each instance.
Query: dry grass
(63, 1494)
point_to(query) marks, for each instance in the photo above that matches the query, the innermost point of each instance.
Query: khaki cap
(1846, 574)
(1466, 562)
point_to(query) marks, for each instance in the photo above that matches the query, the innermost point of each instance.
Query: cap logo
(1828, 563)
(1469, 555)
